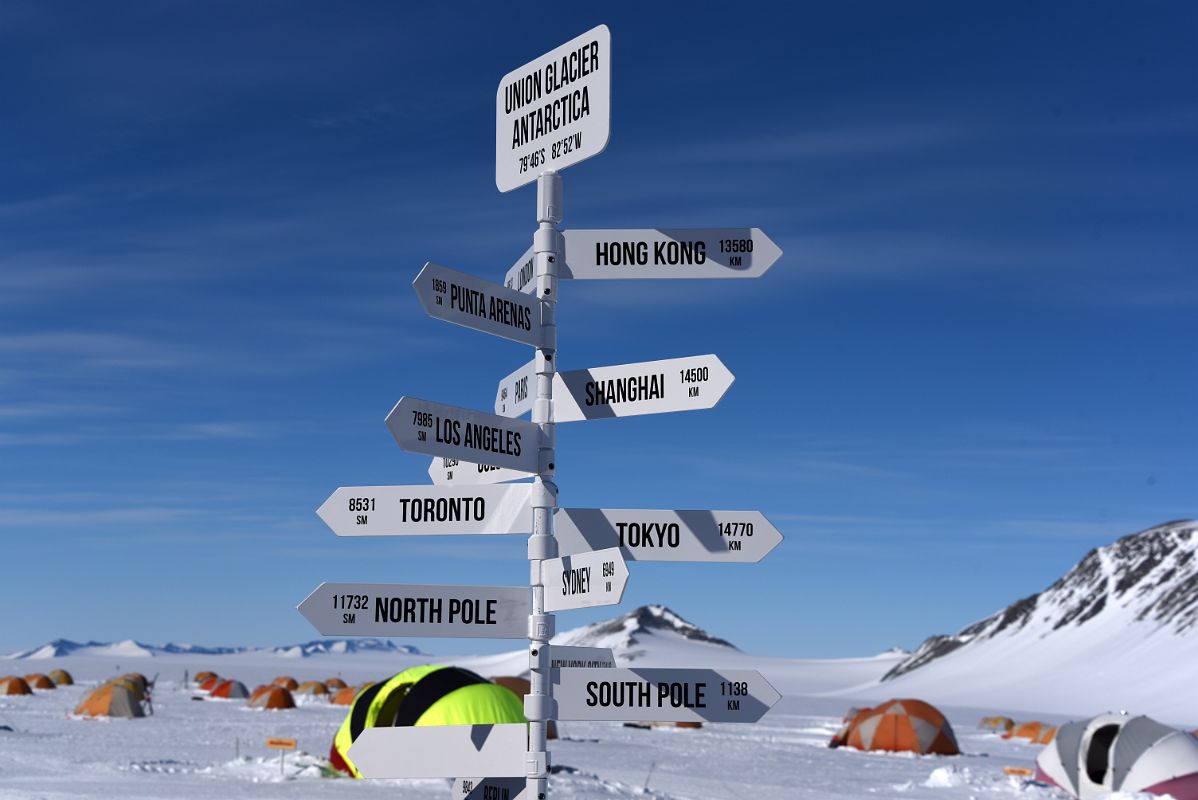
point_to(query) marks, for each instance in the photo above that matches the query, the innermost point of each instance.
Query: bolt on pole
(539, 705)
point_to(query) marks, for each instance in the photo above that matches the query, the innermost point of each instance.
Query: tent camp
(900, 726)
(39, 681)
(1032, 731)
(203, 676)
(287, 682)
(424, 695)
(230, 690)
(210, 683)
(315, 688)
(62, 678)
(335, 683)
(12, 685)
(1119, 753)
(271, 696)
(117, 698)
(345, 696)
(1003, 724)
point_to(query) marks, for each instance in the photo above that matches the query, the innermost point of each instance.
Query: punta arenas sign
(475, 303)
(554, 111)
(385, 609)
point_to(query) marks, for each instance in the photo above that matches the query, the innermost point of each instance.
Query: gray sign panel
(564, 656)
(384, 609)
(427, 510)
(422, 426)
(515, 394)
(669, 695)
(441, 751)
(451, 472)
(489, 789)
(660, 253)
(479, 304)
(554, 111)
(523, 275)
(665, 535)
(584, 580)
(650, 387)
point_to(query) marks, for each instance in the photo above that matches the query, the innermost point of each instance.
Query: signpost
(488, 789)
(514, 395)
(658, 253)
(282, 745)
(441, 751)
(554, 111)
(383, 609)
(572, 657)
(427, 510)
(669, 695)
(584, 580)
(452, 432)
(476, 303)
(660, 535)
(452, 472)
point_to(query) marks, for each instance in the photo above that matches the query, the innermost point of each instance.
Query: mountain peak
(624, 634)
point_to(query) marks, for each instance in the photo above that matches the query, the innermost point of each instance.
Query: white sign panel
(385, 609)
(421, 426)
(427, 510)
(441, 751)
(515, 393)
(660, 253)
(489, 789)
(584, 580)
(669, 695)
(650, 387)
(451, 472)
(667, 535)
(563, 656)
(479, 304)
(523, 275)
(554, 111)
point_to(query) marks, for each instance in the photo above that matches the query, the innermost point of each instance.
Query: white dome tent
(1118, 753)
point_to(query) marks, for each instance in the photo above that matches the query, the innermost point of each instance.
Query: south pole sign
(667, 535)
(554, 111)
(427, 510)
(421, 426)
(383, 609)
(668, 695)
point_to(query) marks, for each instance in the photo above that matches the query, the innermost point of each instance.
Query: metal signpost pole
(539, 706)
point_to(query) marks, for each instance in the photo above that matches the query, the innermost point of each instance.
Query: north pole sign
(554, 111)
(384, 609)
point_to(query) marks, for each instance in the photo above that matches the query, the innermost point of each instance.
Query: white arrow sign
(441, 751)
(451, 472)
(584, 580)
(517, 390)
(489, 788)
(564, 656)
(427, 510)
(659, 253)
(664, 535)
(480, 304)
(383, 609)
(523, 275)
(670, 695)
(554, 111)
(421, 426)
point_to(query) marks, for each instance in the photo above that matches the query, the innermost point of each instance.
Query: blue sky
(974, 362)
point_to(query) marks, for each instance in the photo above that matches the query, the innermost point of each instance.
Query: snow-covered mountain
(1117, 631)
(648, 627)
(65, 648)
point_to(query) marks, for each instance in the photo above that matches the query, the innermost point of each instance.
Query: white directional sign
(659, 253)
(480, 304)
(564, 656)
(383, 609)
(554, 111)
(669, 695)
(515, 393)
(451, 472)
(523, 275)
(421, 426)
(584, 580)
(427, 510)
(661, 535)
(489, 789)
(441, 751)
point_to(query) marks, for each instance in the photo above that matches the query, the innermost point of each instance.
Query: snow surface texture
(1115, 633)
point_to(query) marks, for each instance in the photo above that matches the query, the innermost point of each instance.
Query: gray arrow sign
(489, 789)
(480, 304)
(427, 510)
(658, 253)
(670, 695)
(383, 609)
(421, 426)
(584, 580)
(517, 390)
(665, 535)
(441, 751)
(452, 472)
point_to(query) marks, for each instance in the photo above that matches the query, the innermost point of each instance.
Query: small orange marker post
(1024, 772)
(280, 745)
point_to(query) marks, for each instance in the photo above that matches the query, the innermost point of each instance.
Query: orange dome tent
(1032, 731)
(230, 690)
(903, 725)
(996, 723)
(312, 688)
(113, 699)
(1048, 735)
(287, 682)
(841, 737)
(203, 676)
(12, 685)
(335, 683)
(345, 696)
(271, 696)
(62, 678)
(39, 681)
(210, 683)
